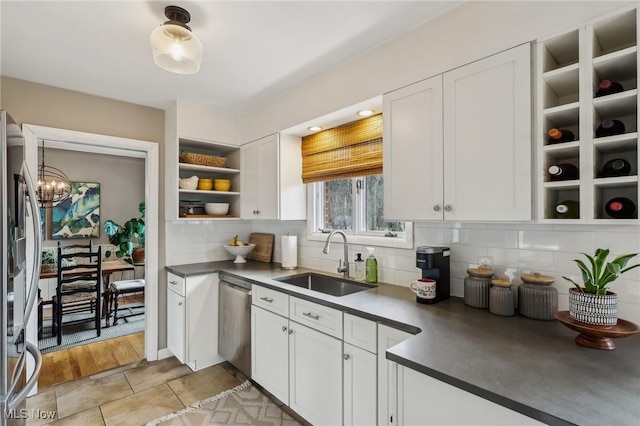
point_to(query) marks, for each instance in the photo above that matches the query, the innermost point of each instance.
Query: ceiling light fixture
(175, 47)
(366, 112)
(53, 185)
(315, 128)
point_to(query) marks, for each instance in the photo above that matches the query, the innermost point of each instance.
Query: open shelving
(571, 66)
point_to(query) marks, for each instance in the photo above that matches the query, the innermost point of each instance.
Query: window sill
(405, 242)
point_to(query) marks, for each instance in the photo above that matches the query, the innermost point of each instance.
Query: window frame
(359, 235)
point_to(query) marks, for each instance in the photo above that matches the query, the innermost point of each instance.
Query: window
(354, 205)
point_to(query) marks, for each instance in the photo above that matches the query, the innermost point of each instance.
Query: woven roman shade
(353, 149)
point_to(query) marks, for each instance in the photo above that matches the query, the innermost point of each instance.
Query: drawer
(176, 283)
(361, 332)
(271, 300)
(318, 317)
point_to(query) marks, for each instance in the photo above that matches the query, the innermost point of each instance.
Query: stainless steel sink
(325, 284)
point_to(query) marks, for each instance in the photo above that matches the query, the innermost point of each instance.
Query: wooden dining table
(109, 267)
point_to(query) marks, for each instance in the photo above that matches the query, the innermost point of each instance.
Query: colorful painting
(79, 215)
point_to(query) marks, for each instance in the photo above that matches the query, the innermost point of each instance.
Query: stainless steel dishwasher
(234, 322)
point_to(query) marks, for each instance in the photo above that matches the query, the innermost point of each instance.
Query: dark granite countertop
(533, 367)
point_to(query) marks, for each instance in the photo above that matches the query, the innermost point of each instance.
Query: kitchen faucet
(344, 269)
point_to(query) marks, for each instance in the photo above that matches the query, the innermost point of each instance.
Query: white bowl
(240, 251)
(216, 208)
(188, 183)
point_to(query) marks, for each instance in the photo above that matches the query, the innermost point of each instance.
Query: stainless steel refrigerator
(20, 216)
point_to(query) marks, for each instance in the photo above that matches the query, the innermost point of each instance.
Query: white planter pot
(596, 309)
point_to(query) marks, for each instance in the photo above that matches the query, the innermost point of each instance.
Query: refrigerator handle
(15, 400)
(37, 232)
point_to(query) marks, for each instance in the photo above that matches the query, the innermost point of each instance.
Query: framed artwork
(79, 215)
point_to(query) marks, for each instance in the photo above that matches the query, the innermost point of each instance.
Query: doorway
(110, 145)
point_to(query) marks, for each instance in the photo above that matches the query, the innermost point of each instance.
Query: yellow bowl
(222, 184)
(205, 184)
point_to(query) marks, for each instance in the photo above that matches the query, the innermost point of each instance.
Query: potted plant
(594, 303)
(49, 260)
(128, 238)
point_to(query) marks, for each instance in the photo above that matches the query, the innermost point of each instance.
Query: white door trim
(111, 145)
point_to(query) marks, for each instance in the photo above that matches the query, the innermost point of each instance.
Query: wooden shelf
(206, 192)
(207, 169)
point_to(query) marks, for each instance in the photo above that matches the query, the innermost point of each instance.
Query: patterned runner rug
(242, 405)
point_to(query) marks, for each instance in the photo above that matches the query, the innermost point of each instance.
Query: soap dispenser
(358, 273)
(371, 267)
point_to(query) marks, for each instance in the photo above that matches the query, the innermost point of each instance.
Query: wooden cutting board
(264, 246)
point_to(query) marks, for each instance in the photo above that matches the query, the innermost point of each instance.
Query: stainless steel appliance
(20, 218)
(234, 322)
(434, 262)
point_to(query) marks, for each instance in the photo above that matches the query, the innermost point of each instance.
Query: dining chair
(123, 287)
(79, 287)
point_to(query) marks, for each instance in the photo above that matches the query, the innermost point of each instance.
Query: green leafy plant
(601, 273)
(49, 256)
(126, 237)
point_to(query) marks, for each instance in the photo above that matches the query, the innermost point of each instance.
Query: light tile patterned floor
(130, 396)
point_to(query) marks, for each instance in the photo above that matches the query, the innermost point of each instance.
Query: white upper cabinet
(458, 146)
(412, 143)
(272, 185)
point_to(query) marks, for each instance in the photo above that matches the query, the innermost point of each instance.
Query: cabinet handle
(312, 316)
(179, 303)
(284, 328)
(346, 357)
(290, 331)
(448, 208)
(267, 299)
(436, 208)
(173, 282)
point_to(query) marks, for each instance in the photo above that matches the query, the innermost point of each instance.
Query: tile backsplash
(515, 249)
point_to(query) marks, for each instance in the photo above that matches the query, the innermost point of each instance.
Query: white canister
(289, 251)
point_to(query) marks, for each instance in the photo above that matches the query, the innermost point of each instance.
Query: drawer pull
(173, 282)
(312, 316)
(267, 299)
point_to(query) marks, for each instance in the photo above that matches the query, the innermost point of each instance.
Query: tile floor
(130, 395)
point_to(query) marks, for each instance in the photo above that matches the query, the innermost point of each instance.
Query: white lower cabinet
(387, 374)
(315, 375)
(359, 386)
(192, 319)
(270, 352)
(423, 400)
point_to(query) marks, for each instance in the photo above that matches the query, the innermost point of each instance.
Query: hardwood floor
(86, 360)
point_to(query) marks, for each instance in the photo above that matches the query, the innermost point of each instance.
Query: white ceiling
(252, 50)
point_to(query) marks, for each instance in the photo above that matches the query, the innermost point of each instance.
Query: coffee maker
(434, 262)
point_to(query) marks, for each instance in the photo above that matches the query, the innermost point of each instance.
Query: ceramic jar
(205, 184)
(537, 299)
(476, 288)
(501, 298)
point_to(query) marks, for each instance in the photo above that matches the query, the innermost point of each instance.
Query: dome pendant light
(175, 47)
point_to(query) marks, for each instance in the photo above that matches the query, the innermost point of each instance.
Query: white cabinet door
(387, 388)
(260, 183)
(359, 386)
(423, 399)
(413, 152)
(270, 352)
(487, 138)
(201, 326)
(176, 325)
(315, 375)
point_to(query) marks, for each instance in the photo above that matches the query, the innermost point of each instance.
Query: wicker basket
(203, 159)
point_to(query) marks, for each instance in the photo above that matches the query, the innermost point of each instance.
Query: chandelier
(53, 185)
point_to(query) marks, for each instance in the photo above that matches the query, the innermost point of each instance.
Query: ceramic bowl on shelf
(240, 251)
(216, 208)
(205, 184)
(188, 183)
(221, 184)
